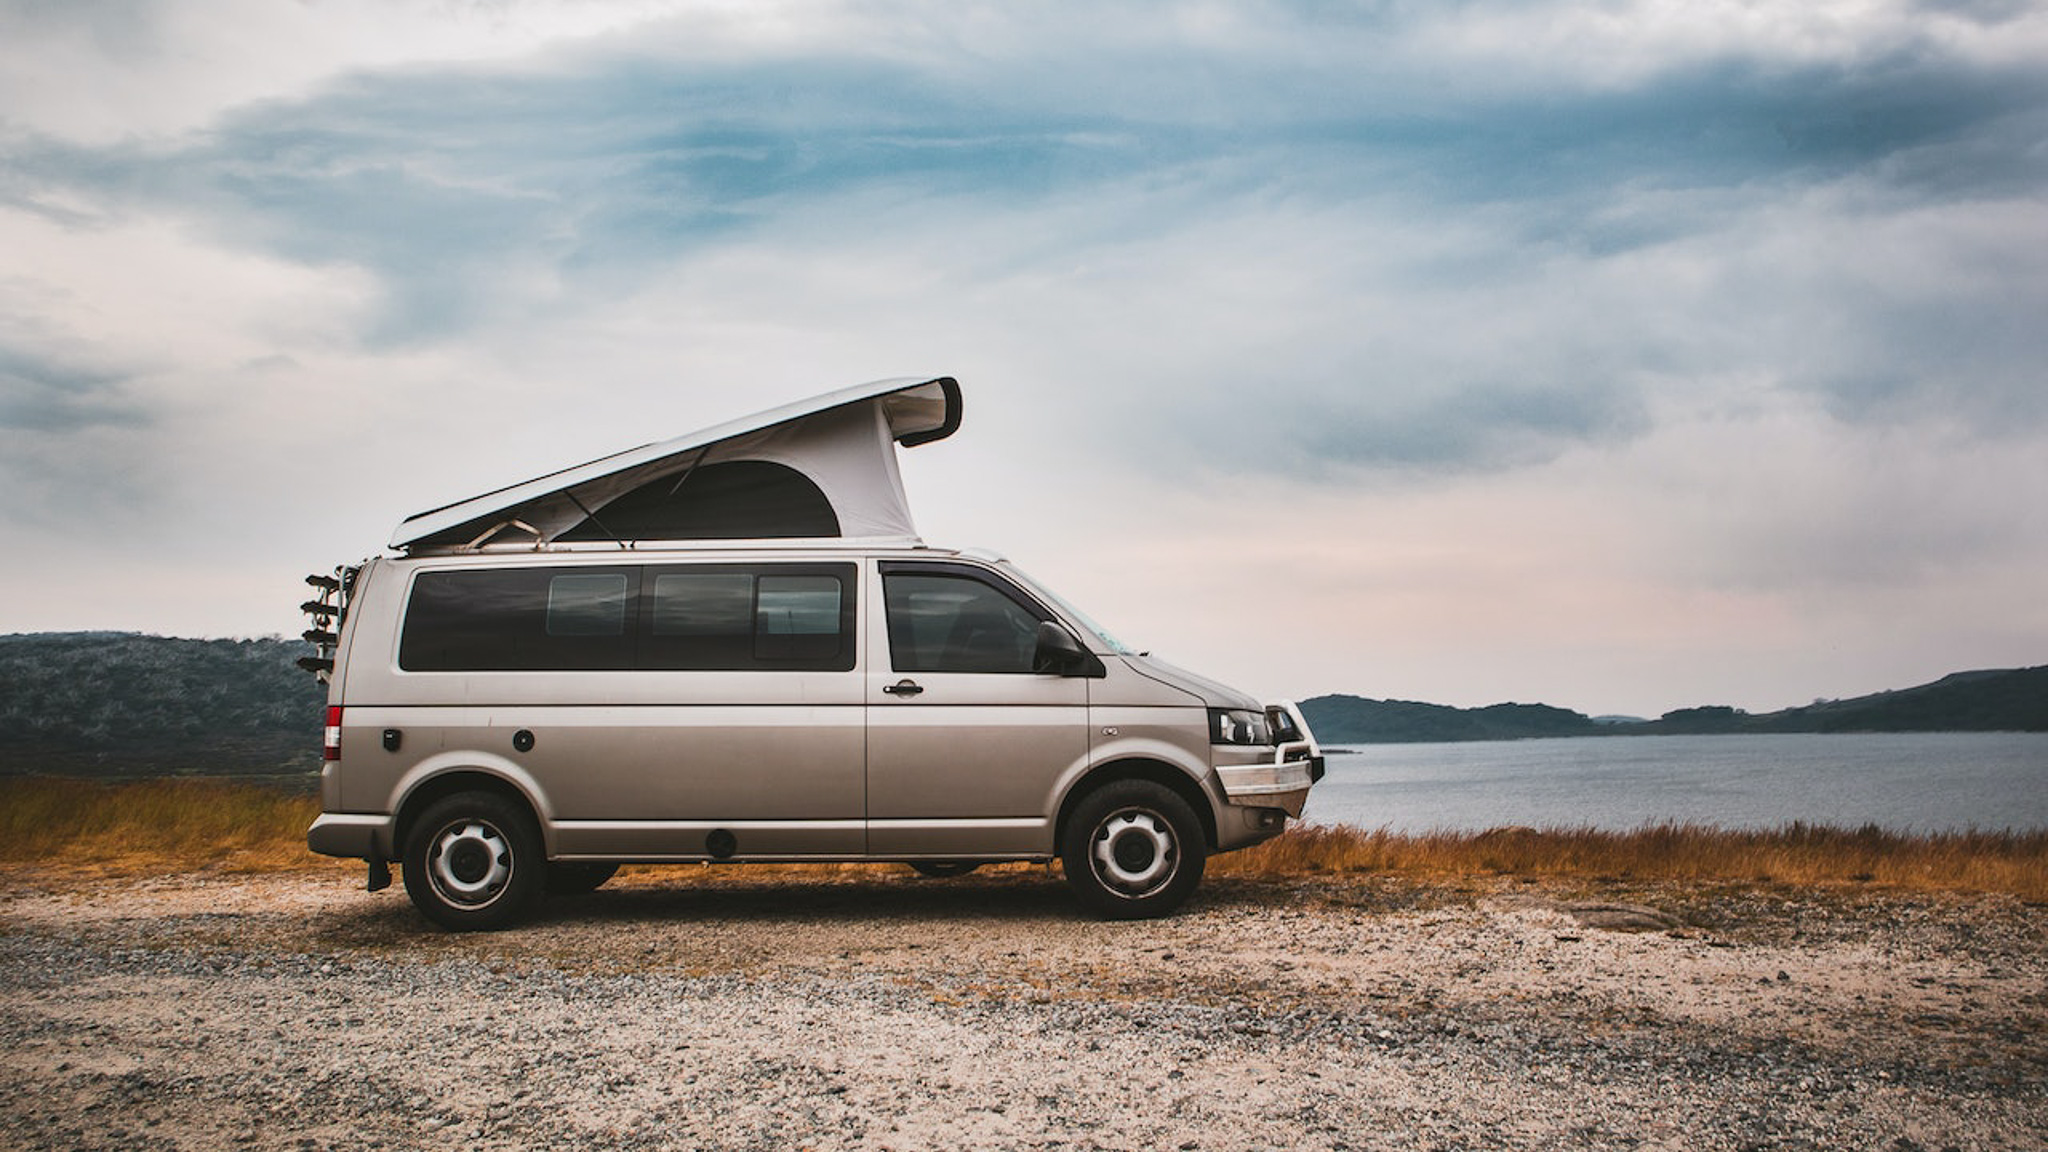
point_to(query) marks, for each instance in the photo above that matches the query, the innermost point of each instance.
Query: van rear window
(697, 617)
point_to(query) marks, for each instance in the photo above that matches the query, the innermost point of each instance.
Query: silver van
(732, 646)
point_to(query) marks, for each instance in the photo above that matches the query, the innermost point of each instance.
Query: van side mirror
(1058, 653)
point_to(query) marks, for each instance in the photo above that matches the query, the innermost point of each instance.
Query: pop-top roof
(823, 467)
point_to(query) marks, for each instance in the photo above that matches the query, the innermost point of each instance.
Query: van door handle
(904, 688)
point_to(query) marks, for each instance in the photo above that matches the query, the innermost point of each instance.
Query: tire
(1133, 850)
(576, 878)
(473, 862)
(944, 869)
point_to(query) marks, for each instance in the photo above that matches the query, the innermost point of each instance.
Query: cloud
(48, 391)
(54, 382)
(1502, 427)
(1492, 290)
(104, 71)
(452, 183)
(1516, 262)
(69, 409)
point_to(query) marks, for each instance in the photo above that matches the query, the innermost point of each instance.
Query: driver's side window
(947, 623)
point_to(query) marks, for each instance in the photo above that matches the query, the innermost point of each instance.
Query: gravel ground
(753, 1008)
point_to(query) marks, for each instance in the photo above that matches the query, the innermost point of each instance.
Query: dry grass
(155, 825)
(188, 825)
(1797, 853)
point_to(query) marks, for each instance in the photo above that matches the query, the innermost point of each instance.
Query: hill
(1356, 720)
(1997, 700)
(1993, 700)
(122, 704)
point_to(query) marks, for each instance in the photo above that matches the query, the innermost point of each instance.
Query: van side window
(519, 619)
(702, 619)
(956, 623)
(587, 605)
(706, 617)
(797, 618)
(711, 617)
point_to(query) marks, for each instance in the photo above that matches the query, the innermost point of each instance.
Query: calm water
(1910, 782)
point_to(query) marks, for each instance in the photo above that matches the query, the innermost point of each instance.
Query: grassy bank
(184, 825)
(2010, 862)
(155, 825)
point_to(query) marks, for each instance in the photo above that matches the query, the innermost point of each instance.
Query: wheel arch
(426, 791)
(1138, 768)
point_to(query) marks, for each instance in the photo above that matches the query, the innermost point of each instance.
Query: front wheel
(474, 861)
(1133, 850)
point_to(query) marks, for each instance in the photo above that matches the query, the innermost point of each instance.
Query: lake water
(1918, 782)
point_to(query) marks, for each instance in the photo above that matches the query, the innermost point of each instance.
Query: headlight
(1237, 726)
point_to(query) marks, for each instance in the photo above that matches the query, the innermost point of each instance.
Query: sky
(1624, 356)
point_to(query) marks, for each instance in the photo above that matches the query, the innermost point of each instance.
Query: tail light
(331, 748)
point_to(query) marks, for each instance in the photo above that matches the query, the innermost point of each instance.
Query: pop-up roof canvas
(824, 467)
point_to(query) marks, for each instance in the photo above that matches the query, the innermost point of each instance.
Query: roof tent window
(736, 500)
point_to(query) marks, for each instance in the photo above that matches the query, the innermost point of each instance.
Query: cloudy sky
(1625, 355)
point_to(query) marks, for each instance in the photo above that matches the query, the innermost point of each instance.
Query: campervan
(733, 646)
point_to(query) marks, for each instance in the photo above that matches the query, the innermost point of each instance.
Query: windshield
(1072, 613)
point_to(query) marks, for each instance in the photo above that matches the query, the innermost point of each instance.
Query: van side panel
(628, 763)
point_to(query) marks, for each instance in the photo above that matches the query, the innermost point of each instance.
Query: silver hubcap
(1134, 852)
(470, 862)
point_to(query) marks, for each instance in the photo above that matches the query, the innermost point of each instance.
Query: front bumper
(1276, 775)
(1281, 785)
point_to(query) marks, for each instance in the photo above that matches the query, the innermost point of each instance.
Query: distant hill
(121, 704)
(1355, 720)
(1997, 700)
(2002, 700)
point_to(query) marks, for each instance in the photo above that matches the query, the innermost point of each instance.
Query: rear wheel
(1133, 850)
(474, 861)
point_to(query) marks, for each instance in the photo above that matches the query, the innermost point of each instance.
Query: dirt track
(754, 1009)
